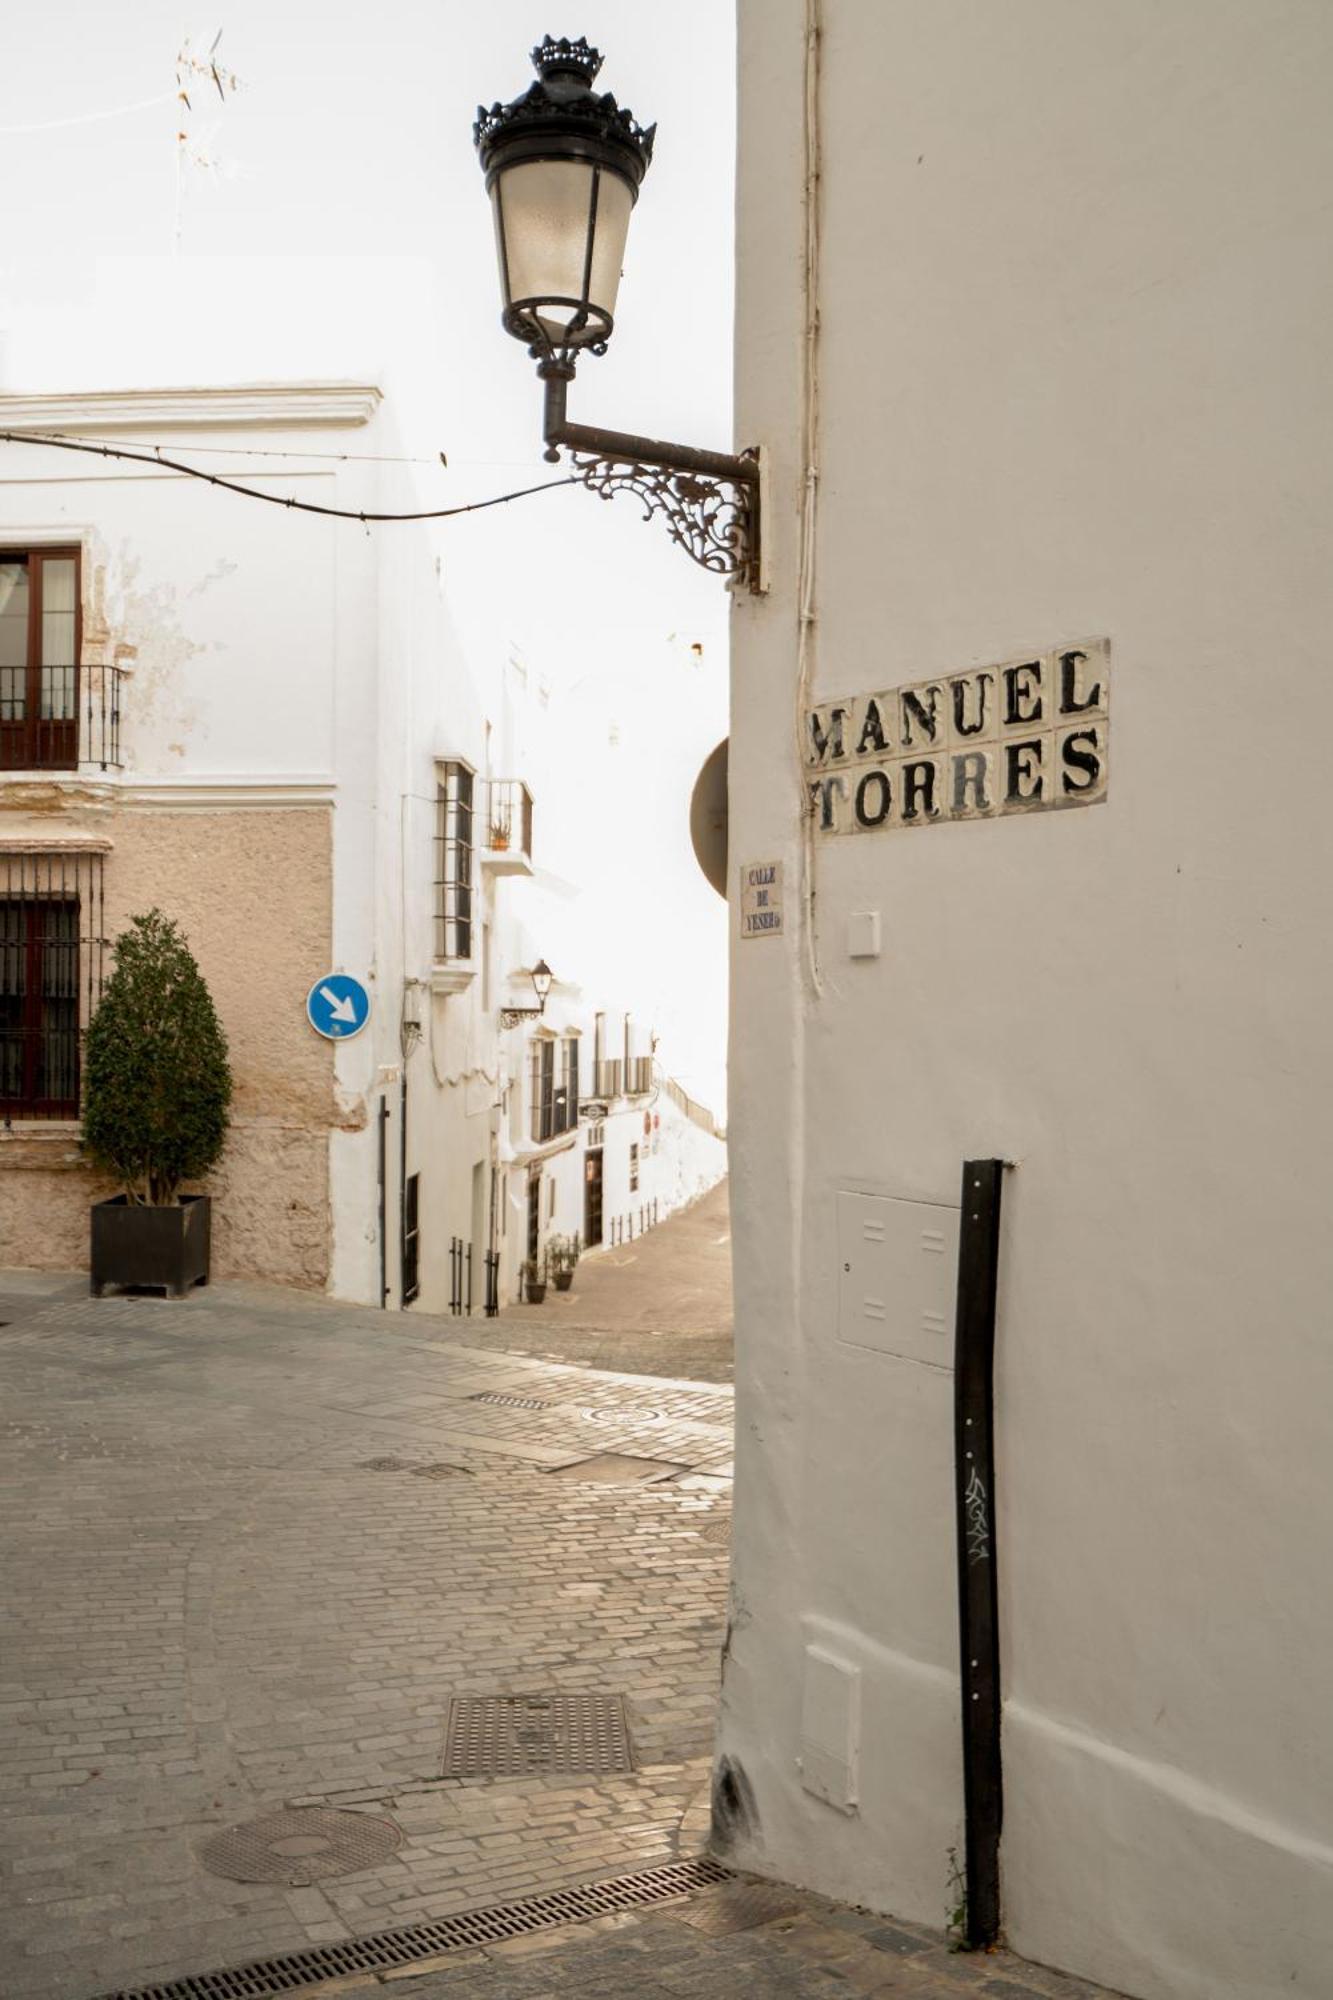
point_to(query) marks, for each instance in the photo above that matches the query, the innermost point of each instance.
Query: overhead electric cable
(265, 451)
(88, 117)
(364, 515)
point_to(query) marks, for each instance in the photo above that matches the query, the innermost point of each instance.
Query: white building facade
(1047, 461)
(258, 719)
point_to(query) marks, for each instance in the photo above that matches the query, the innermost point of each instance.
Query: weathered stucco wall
(1075, 312)
(252, 891)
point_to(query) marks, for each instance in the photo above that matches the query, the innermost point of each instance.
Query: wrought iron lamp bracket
(511, 1016)
(710, 500)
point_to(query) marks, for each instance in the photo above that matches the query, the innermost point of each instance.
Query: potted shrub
(562, 1254)
(156, 1091)
(499, 836)
(534, 1281)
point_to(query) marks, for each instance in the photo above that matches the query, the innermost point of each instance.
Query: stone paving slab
(214, 1608)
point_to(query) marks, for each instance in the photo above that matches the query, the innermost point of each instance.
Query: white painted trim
(455, 976)
(266, 405)
(220, 794)
(530, 1156)
(17, 839)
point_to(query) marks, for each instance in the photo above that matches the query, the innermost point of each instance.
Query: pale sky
(345, 232)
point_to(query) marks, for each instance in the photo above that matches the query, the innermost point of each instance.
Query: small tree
(157, 1081)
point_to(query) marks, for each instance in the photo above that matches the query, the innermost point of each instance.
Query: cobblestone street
(255, 1545)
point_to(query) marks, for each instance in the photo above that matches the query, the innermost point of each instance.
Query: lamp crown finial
(564, 57)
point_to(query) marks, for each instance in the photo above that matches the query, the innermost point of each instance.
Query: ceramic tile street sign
(337, 1006)
(1027, 735)
(761, 899)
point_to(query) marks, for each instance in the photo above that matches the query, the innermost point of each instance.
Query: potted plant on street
(562, 1254)
(157, 1087)
(534, 1281)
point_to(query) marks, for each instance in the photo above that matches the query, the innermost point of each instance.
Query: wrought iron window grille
(453, 863)
(52, 958)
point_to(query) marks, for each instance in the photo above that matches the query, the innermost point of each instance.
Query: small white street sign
(761, 899)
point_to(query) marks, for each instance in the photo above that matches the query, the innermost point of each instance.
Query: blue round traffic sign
(337, 1006)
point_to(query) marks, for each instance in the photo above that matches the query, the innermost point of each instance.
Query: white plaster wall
(1075, 317)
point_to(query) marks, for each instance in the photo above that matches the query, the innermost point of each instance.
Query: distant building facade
(260, 720)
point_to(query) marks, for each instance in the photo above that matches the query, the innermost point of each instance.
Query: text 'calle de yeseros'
(1023, 736)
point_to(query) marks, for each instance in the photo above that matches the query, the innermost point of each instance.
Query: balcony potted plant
(499, 836)
(157, 1091)
(534, 1281)
(562, 1254)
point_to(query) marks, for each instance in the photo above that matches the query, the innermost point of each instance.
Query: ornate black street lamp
(541, 977)
(563, 168)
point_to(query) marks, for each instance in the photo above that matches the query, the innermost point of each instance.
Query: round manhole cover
(301, 1845)
(625, 1419)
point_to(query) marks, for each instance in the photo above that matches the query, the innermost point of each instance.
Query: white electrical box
(831, 1729)
(897, 1276)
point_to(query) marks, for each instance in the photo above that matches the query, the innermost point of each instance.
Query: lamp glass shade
(542, 977)
(560, 228)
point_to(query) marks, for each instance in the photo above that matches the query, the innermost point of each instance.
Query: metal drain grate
(302, 1845)
(514, 1735)
(503, 1402)
(440, 1471)
(292, 1970)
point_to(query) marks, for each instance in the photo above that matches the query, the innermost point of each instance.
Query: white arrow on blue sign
(337, 1006)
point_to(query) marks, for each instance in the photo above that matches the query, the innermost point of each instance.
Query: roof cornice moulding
(223, 794)
(254, 406)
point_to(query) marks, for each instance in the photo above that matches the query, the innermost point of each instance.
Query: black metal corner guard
(978, 1596)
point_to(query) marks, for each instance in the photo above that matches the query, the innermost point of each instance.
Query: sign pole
(978, 1596)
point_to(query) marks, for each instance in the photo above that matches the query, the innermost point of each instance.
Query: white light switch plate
(863, 934)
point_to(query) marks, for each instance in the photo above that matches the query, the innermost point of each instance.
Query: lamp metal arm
(710, 499)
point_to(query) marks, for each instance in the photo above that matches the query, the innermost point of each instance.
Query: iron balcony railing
(608, 1079)
(638, 1076)
(70, 723)
(508, 818)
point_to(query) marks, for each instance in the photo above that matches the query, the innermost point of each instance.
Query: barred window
(453, 863)
(570, 1080)
(543, 1091)
(51, 952)
(634, 1170)
(555, 1106)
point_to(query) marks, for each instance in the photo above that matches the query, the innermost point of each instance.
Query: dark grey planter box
(150, 1249)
